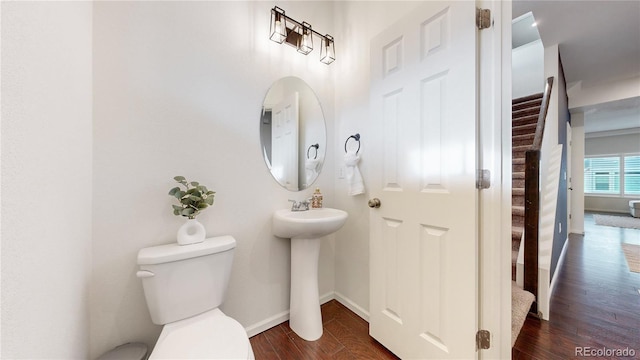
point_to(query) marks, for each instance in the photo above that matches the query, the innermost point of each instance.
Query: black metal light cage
(284, 29)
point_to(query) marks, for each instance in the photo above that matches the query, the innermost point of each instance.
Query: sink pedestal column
(304, 317)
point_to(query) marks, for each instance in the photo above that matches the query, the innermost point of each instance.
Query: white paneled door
(424, 282)
(284, 141)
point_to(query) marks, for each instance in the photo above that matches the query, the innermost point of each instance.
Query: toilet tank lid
(174, 252)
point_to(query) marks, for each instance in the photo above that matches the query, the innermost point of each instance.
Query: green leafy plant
(193, 198)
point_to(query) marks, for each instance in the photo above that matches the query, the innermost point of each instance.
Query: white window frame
(621, 193)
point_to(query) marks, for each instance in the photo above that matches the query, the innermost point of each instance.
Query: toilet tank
(181, 281)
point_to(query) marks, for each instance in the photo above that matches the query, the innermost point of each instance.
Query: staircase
(525, 112)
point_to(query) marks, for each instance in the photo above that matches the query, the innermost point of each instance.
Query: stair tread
(521, 118)
(525, 112)
(524, 136)
(526, 98)
(527, 126)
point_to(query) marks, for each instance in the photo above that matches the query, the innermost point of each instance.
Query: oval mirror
(293, 133)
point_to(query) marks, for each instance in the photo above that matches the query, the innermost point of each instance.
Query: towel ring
(316, 146)
(357, 138)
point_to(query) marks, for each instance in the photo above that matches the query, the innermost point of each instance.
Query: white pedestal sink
(305, 228)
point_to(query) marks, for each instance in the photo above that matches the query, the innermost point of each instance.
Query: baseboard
(279, 318)
(267, 323)
(556, 273)
(351, 305)
(327, 297)
(607, 211)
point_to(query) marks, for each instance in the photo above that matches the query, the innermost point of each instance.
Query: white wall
(527, 64)
(358, 22)
(178, 90)
(610, 145)
(46, 179)
(577, 173)
(583, 95)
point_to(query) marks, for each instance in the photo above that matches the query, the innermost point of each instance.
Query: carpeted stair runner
(525, 113)
(520, 303)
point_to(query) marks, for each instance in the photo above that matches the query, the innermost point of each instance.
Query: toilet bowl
(183, 287)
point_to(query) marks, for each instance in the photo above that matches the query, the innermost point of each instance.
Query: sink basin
(312, 223)
(305, 229)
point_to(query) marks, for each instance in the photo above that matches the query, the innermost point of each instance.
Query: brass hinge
(483, 18)
(483, 340)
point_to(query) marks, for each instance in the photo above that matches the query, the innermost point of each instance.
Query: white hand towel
(354, 178)
(311, 170)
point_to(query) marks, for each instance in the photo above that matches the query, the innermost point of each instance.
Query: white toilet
(184, 285)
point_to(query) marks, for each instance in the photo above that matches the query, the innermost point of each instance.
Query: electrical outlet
(341, 171)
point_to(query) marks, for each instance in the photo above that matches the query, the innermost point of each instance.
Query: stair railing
(532, 201)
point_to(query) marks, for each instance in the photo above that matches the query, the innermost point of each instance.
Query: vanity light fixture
(299, 35)
(278, 31)
(327, 50)
(306, 39)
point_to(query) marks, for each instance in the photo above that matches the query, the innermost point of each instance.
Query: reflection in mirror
(293, 133)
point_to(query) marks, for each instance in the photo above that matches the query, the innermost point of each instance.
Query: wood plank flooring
(596, 302)
(346, 336)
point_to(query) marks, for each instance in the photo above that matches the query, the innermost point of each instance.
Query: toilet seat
(210, 335)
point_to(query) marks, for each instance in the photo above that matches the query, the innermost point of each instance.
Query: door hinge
(483, 340)
(483, 179)
(483, 18)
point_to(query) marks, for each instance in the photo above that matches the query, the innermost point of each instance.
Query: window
(602, 175)
(632, 175)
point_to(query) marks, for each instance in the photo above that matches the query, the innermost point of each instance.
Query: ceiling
(599, 42)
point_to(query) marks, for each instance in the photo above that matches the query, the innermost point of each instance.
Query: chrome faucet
(300, 205)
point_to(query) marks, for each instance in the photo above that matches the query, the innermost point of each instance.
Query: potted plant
(192, 198)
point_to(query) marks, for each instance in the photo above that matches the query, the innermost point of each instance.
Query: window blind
(602, 175)
(632, 175)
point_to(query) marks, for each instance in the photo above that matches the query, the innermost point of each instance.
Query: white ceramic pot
(191, 232)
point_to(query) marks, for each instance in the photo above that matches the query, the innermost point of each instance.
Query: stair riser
(517, 220)
(527, 120)
(527, 104)
(517, 183)
(526, 98)
(526, 139)
(517, 200)
(523, 130)
(525, 112)
(518, 153)
(517, 167)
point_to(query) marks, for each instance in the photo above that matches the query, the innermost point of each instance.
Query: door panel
(284, 140)
(423, 237)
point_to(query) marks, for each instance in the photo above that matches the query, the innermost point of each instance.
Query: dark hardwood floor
(346, 336)
(596, 302)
